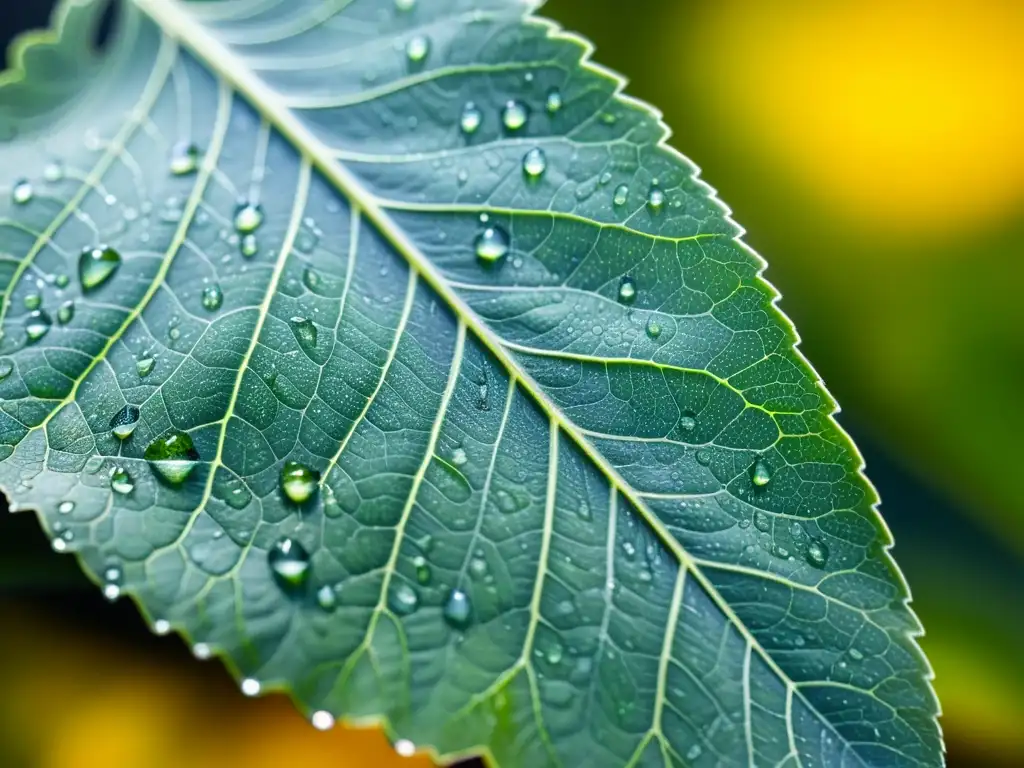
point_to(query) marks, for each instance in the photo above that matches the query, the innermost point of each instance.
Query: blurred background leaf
(875, 151)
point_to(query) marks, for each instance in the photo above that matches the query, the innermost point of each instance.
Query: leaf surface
(447, 394)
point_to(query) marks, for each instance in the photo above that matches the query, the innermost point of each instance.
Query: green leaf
(384, 350)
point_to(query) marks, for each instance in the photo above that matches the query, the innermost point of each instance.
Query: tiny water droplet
(53, 171)
(535, 163)
(289, 563)
(554, 653)
(703, 457)
(202, 651)
(655, 200)
(96, 265)
(213, 297)
(33, 301)
(61, 280)
(762, 522)
(405, 5)
(491, 244)
(621, 195)
(694, 752)
(457, 608)
(144, 366)
(404, 600)
(760, 475)
(478, 567)
(583, 510)
(251, 686)
(298, 481)
(327, 598)
(470, 119)
(37, 325)
(66, 312)
(554, 101)
(66, 507)
(417, 49)
(22, 191)
(311, 279)
(514, 115)
(123, 423)
(459, 457)
(305, 332)
(653, 327)
(856, 654)
(322, 720)
(120, 481)
(817, 553)
(405, 748)
(249, 246)
(248, 217)
(161, 626)
(184, 158)
(423, 573)
(112, 583)
(627, 290)
(172, 456)
(687, 422)
(744, 523)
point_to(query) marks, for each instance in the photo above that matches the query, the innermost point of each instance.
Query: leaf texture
(566, 491)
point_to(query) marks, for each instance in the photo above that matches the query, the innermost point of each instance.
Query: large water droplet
(112, 583)
(37, 324)
(172, 456)
(535, 163)
(470, 119)
(405, 748)
(65, 507)
(22, 191)
(627, 290)
(817, 553)
(621, 195)
(66, 312)
(457, 608)
(298, 481)
(327, 598)
(120, 481)
(123, 423)
(554, 101)
(213, 297)
(33, 301)
(305, 332)
(96, 265)
(184, 158)
(417, 49)
(144, 366)
(514, 115)
(491, 244)
(403, 599)
(248, 217)
(760, 474)
(289, 562)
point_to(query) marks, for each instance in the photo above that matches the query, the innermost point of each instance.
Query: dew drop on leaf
(687, 422)
(327, 598)
(184, 158)
(144, 366)
(627, 290)
(403, 600)
(22, 192)
(760, 475)
(248, 217)
(121, 482)
(621, 195)
(305, 332)
(762, 522)
(405, 5)
(53, 172)
(61, 280)
(470, 119)
(311, 279)
(405, 748)
(213, 297)
(514, 115)
(289, 562)
(33, 301)
(322, 720)
(249, 246)
(112, 583)
(66, 312)
(459, 457)
(491, 244)
(653, 327)
(298, 481)
(457, 608)
(655, 200)
(478, 567)
(96, 266)
(172, 456)
(37, 325)
(65, 507)
(817, 553)
(251, 686)
(554, 101)
(423, 573)
(417, 49)
(123, 423)
(535, 163)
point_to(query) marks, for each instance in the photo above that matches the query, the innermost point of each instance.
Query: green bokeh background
(875, 153)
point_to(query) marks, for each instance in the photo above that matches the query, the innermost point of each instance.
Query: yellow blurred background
(875, 152)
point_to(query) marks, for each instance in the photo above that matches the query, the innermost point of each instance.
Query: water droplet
(322, 720)
(621, 195)
(491, 244)
(213, 297)
(762, 522)
(120, 481)
(202, 651)
(554, 101)
(583, 510)
(249, 246)
(144, 366)
(22, 191)
(53, 171)
(248, 217)
(405, 5)
(33, 301)
(61, 280)
(161, 626)
(404, 600)
(405, 748)
(123, 423)
(744, 523)
(66, 312)
(627, 290)
(417, 49)
(655, 200)
(305, 332)
(653, 327)
(423, 573)
(817, 553)
(760, 475)
(172, 456)
(66, 507)
(687, 422)
(311, 279)
(96, 265)
(694, 752)
(478, 567)
(703, 457)
(184, 158)
(6, 368)
(470, 119)
(457, 608)
(459, 457)
(251, 686)
(856, 654)
(514, 115)
(112, 583)
(535, 163)
(327, 598)
(298, 481)
(37, 324)
(289, 562)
